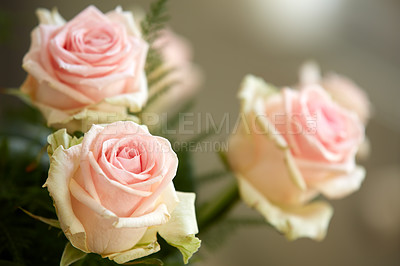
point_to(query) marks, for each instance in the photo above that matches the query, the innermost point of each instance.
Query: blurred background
(271, 39)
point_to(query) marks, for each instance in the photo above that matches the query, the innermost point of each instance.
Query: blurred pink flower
(290, 146)
(176, 52)
(343, 90)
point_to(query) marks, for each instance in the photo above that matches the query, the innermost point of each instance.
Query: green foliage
(153, 62)
(21, 138)
(152, 24)
(52, 222)
(155, 20)
(71, 255)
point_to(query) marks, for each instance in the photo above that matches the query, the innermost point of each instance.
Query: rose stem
(218, 207)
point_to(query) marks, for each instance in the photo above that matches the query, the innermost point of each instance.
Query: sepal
(71, 255)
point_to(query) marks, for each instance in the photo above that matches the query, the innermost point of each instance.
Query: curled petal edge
(52, 17)
(181, 229)
(342, 186)
(309, 220)
(57, 184)
(61, 138)
(252, 89)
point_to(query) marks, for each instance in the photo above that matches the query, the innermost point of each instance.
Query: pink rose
(177, 55)
(289, 147)
(346, 93)
(88, 70)
(343, 90)
(113, 192)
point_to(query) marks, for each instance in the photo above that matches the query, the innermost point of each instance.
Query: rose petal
(102, 236)
(61, 138)
(60, 175)
(146, 246)
(181, 229)
(310, 220)
(49, 17)
(338, 187)
(170, 167)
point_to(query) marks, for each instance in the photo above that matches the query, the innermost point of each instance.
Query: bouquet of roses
(101, 83)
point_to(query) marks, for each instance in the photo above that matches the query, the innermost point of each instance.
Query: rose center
(329, 122)
(96, 38)
(130, 159)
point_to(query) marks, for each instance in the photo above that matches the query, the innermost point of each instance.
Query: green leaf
(52, 222)
(153, 61)
(153, 23)
(154, 20)
(71, 255)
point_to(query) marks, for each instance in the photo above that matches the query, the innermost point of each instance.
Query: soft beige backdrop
(358, 38)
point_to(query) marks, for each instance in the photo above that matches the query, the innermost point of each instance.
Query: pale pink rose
(177, 54)
(290, 146)
(346, 93)
(93, 64)
(343, 90)
(113, 192)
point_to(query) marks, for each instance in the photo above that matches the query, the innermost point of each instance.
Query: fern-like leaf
(155, 20)
(152, 24)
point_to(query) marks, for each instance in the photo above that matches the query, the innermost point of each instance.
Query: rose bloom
(88, 70)
(290, 146)
(113, 192)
